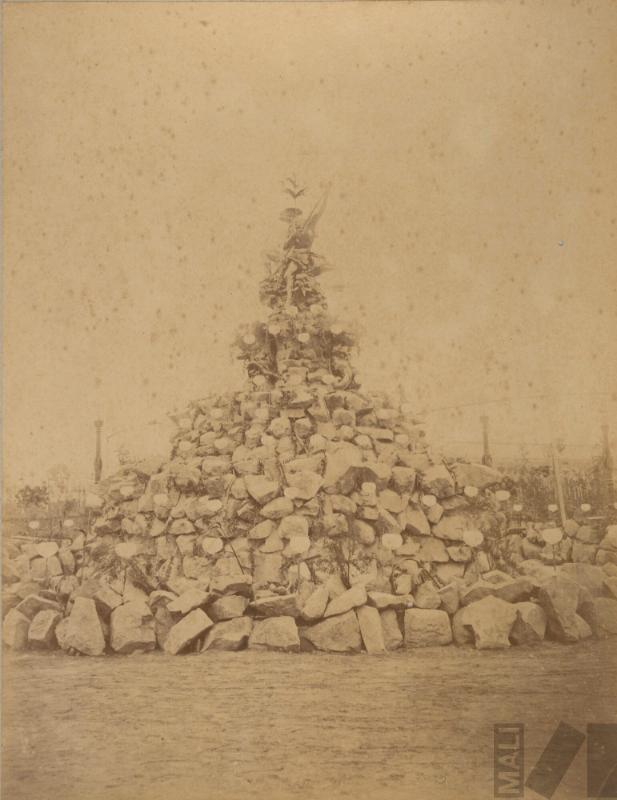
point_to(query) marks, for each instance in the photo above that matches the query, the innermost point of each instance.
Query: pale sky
(472, 222)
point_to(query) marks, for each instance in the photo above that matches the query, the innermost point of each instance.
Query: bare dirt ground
(263, 726)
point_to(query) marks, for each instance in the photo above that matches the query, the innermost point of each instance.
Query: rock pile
(297, 513)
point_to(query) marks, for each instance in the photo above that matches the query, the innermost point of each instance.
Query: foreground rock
(82, 629)
(487, 622)
(393, 638)
(600, 613)
(15, 630)
(371, 630)
(530, 624)
(559, 597)
(230, 635)
(184, 633)
(275, 633)
(427, 628)
(42, 631)
(340, 634)
(132, 628)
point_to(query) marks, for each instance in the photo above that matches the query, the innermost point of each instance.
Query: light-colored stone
(41, 634)
(188, 600)
(343, 464)
(340, 634)
(232, 584)
(498, 584)
(276, 605)
(184, 632)
(15, 630)
(32, 604)
(293, 525)
(600, 613)
(452, 527)
(231, 635)
(227, 607)
(393, 638)
(352, 598)
(450, 598)
(371, 629)
(305, 483)
(477, 475)
(490, 620)
(82, 630)
(414, 521)
(559, 598)
(426, 628)
(315, 606)
(261, 488)
(383, 600)
(427, 596)
(275, 633)
(132, 628)
(438, 481)
(278, 508)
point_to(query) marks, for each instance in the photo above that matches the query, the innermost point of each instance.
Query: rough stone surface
(352, 598)
(490, 620)
(600, 613)
(371, 629)
(231, 635)
(315, 606)
(383, 600)
(340, 634)
(530, 624)
(275, 633)
(559, 597)
(426, 628)
(32, 604)
(15, 630)
(276, 605)
(41, 633)
(477, 475)
(132, 628)
(183, 633)
(427, 596)
(193, 598)
(392, 636)
(82, 630)
(498, 584)
(227, 607)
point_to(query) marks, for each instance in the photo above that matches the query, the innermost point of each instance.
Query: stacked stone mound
(298, 512)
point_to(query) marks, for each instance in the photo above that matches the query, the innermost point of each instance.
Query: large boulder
(340, 634)
(609, 542)
(588, 576)
(488, 622)
(383, 600)
(427, 596)
(315, 605)
(184, 632)
(132, 628)
(82, 629)
(227, 607)
(477, 475)
(452, 527)
(15, 630)
(42, 630)
(189, 600)
(559, 597)
(275, 633)
(371, 629)
(343, 464)
(438, 481)
(32, 604)
(530, 624)
(231, 635)
(276, 605)
(352, 598)
(426, 627)
(392, 636)
(498, 584)
(600, 613)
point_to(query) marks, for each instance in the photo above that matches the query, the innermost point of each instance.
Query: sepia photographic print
(309, 400)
